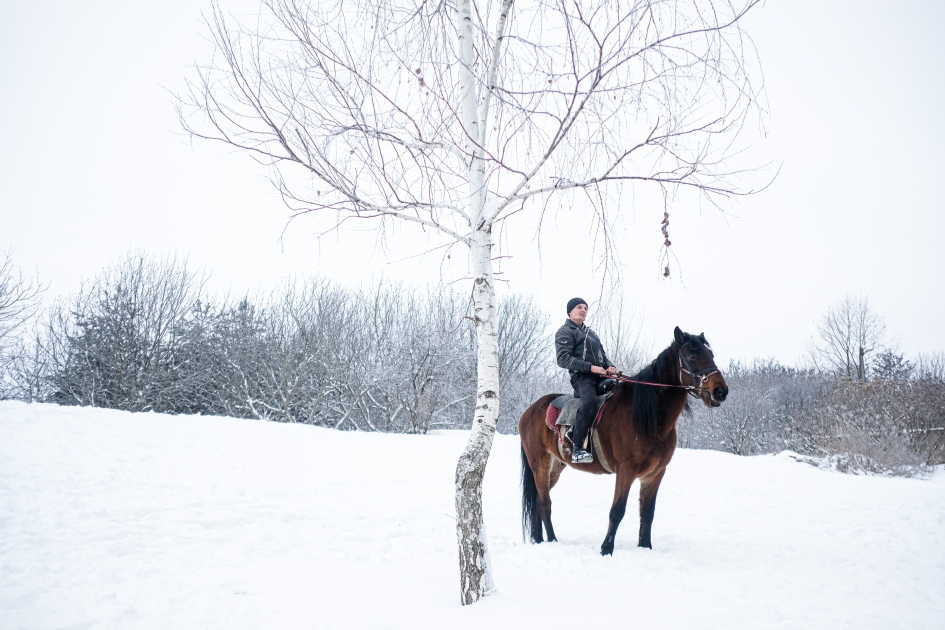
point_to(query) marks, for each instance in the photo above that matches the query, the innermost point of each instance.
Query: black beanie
(574, 302)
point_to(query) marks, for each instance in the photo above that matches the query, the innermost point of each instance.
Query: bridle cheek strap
(699, 379)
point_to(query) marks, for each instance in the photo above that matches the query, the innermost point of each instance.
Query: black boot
(580, 456)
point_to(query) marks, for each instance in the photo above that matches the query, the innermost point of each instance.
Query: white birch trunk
(474, 561)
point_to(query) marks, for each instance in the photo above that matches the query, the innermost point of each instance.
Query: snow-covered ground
(117, 520)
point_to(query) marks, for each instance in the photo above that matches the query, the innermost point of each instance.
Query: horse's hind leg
(543, 483)
(648, 489)
(544, 496)
(536, 494)
(533, 477)
(557, 467)
(554, 473)
(617, 510)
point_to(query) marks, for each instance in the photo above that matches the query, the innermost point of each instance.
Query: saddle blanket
(562, 412)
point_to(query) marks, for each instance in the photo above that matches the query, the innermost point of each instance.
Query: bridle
(698, 378)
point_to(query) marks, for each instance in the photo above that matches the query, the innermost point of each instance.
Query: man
(579, 351)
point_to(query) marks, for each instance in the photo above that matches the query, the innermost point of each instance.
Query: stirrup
(580, 456)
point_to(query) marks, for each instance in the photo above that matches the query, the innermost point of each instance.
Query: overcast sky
(93, 164)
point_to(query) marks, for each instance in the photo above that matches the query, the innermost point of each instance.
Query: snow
(116, 520)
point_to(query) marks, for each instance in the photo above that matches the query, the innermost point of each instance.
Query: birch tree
(454, 115)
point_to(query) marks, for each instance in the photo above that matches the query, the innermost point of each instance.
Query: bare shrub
(883, 426)
(526, 367)
(893, 426)
(27, 368)
(19, 300)
(766, 411)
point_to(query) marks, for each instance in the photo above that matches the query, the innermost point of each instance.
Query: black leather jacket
(577, 349)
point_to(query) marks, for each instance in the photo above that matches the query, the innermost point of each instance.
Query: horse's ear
(678, 335)
(702, 337)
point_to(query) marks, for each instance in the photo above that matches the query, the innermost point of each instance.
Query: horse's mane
(646, 398)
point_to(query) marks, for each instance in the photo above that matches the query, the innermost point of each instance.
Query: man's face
(578, 314)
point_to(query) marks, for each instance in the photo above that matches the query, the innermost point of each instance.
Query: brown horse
(637, 429)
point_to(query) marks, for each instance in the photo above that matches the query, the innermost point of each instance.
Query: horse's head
(697, 368)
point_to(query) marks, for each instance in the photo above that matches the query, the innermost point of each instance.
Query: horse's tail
(531, 514)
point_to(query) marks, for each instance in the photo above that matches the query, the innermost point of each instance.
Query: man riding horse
(579, 350)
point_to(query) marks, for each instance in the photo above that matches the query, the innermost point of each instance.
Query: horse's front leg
(617, 510)
(649, 486)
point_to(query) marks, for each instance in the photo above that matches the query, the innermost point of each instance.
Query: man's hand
(596, 369)
(612, 370)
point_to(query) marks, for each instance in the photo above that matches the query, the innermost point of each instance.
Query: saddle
(562, 412)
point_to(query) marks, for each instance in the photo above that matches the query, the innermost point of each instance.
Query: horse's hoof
(606, 552)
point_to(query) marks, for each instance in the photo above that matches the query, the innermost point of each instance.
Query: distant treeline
(144, 336)
(890, 423)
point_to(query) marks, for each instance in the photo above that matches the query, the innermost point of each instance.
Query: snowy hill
(117, 520)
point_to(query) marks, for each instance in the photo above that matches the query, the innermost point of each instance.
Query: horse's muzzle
(718, 395)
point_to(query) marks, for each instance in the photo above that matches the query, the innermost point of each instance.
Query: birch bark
(474, 560)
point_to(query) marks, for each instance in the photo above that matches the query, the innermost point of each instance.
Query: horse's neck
(673, 400)
(669, 373)
(675, 403)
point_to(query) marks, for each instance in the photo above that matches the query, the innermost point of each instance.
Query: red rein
(630, 380)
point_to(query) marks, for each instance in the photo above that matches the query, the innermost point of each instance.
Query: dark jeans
(585, 385)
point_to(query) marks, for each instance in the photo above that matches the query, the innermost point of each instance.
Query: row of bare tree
(859, 402)
(143, 337)
(893, 423)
